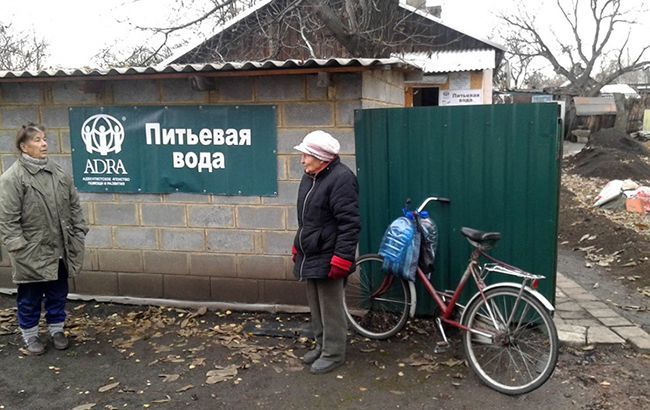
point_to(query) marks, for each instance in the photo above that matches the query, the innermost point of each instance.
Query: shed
(232, 248)
(191, 246)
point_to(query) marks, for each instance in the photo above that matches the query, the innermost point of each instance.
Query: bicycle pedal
(441, 347)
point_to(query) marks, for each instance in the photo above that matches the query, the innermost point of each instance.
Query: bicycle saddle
(480, 236)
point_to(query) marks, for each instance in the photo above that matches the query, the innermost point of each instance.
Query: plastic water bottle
(429, 242)
(412, 255)
(394, 244)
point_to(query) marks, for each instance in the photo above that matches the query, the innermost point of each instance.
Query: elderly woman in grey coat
(43, 228)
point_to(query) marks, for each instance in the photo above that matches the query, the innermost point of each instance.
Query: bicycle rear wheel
(522, 351)
(376, 304)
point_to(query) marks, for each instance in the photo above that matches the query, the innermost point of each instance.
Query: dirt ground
(154, 357)
(157, 357)
(614, 239)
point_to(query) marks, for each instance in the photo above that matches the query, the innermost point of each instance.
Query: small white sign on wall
(460, 97)
(459, 81)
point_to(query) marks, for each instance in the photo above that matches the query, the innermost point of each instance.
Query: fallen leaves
(108, 387)
(185, 388)
(86, 406)
(645, 291)
(453, 362)
(587, 237)
(165, 400)
(423, 362)
(197, 362)
(200, 312)
(161, 335)
(221, 374)
(585, 189)
(168, 378)
(7, 320)
(172, 358)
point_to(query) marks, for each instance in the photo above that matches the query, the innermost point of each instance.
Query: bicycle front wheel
(376, 303)
(516, 349)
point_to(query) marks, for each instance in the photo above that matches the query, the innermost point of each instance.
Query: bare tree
(515, 69)
(210, 13)
(21, 51)
(140, 56)
(641, 75)
(592, 40)
(314, 29)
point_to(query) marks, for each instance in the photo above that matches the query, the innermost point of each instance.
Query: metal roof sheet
(210, 67)
(451, 60)
(594, 105)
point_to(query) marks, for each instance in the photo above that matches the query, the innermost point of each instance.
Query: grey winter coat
(29, 213)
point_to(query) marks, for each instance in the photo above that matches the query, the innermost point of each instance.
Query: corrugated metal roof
(594, 105)
(450, 61)
(207, 68)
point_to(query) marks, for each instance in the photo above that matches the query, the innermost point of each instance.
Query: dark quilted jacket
(328, 220)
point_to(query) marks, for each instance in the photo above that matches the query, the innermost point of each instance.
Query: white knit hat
(320, 145)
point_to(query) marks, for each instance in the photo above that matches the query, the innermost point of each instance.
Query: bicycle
(509, 337)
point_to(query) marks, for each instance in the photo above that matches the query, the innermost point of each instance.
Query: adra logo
(102, 133)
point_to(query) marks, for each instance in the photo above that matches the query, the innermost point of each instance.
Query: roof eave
(230, 69)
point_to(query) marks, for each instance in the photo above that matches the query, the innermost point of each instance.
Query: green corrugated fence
(499, 165)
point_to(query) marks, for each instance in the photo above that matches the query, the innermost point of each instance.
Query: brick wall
(190, 246)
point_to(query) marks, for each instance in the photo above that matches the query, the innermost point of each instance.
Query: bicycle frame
(474, 271)
(447, 309)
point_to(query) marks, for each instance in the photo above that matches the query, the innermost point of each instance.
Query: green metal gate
(499, 165)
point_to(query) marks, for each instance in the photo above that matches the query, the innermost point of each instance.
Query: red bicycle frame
(447, 309)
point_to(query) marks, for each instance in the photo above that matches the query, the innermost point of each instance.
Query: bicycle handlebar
(432, 198)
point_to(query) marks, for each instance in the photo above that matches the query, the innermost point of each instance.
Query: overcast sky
(77, 29)
(74, 29)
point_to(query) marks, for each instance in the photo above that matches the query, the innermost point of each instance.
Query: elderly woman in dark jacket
(43, 228)
(325, 245)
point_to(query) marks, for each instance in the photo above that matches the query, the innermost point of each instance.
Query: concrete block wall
(382, 89)
(190, 246)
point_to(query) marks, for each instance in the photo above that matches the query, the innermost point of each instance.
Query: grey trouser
(325, 297)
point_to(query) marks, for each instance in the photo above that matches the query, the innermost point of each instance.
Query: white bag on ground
(613, 190)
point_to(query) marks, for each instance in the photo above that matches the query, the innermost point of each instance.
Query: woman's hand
(337, 273)
(339, 268)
